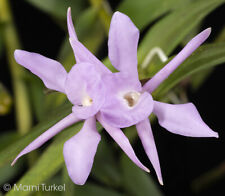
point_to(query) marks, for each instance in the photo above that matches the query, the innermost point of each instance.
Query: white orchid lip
(131, 98)
(87, 101)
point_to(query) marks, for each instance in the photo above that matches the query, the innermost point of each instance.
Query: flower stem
(22, 106)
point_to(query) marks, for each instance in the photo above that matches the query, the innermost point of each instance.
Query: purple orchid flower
(117, 100)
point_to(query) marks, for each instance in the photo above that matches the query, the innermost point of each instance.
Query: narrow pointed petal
(44, 137)
(158, 78)
(79, 152)
(70, 26)
(145, 134)
(122, 44)
(51, 72)
(82, 55)
(122, 141)
(182, 119)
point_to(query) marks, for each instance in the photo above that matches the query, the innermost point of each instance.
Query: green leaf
(172, 29)
(37, 97)
(7, 138)
(95, 190)
(143, 12)
(105, 167)
(59, 8)
(7, 172)
(8, 154)
(137, 182)
(221, 36)
(86, 22)
(90, 30)
(5, 101)
(109, 65)
(205, 57)
(131, 133)
(104, 12)
(70, 186)
(196, 79)
(50, 161)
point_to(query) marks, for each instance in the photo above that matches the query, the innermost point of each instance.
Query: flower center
(87, 101)
(132, 98)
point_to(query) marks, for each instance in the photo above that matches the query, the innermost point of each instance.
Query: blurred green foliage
(167, 24)
(58, 8)
(5, 101)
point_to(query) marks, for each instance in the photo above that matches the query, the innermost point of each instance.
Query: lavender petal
(182, 119)
(71, 30)
(44, 137)
(145, 134)
(79, 152)
(51, 72)
(192, 45)
(81, 53)
(122, 44)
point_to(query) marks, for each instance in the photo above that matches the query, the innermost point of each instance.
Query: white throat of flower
(131, 98)
(87, 101)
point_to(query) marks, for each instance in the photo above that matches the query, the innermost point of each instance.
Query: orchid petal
(117, 111)
(44, 137)
(122, 141)
(84, 83)
(79, 152)
(71, 30)
(145, 134)
(122, 44)
(51, 72)
(81, 53)
(192, 45)
(182, 119)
